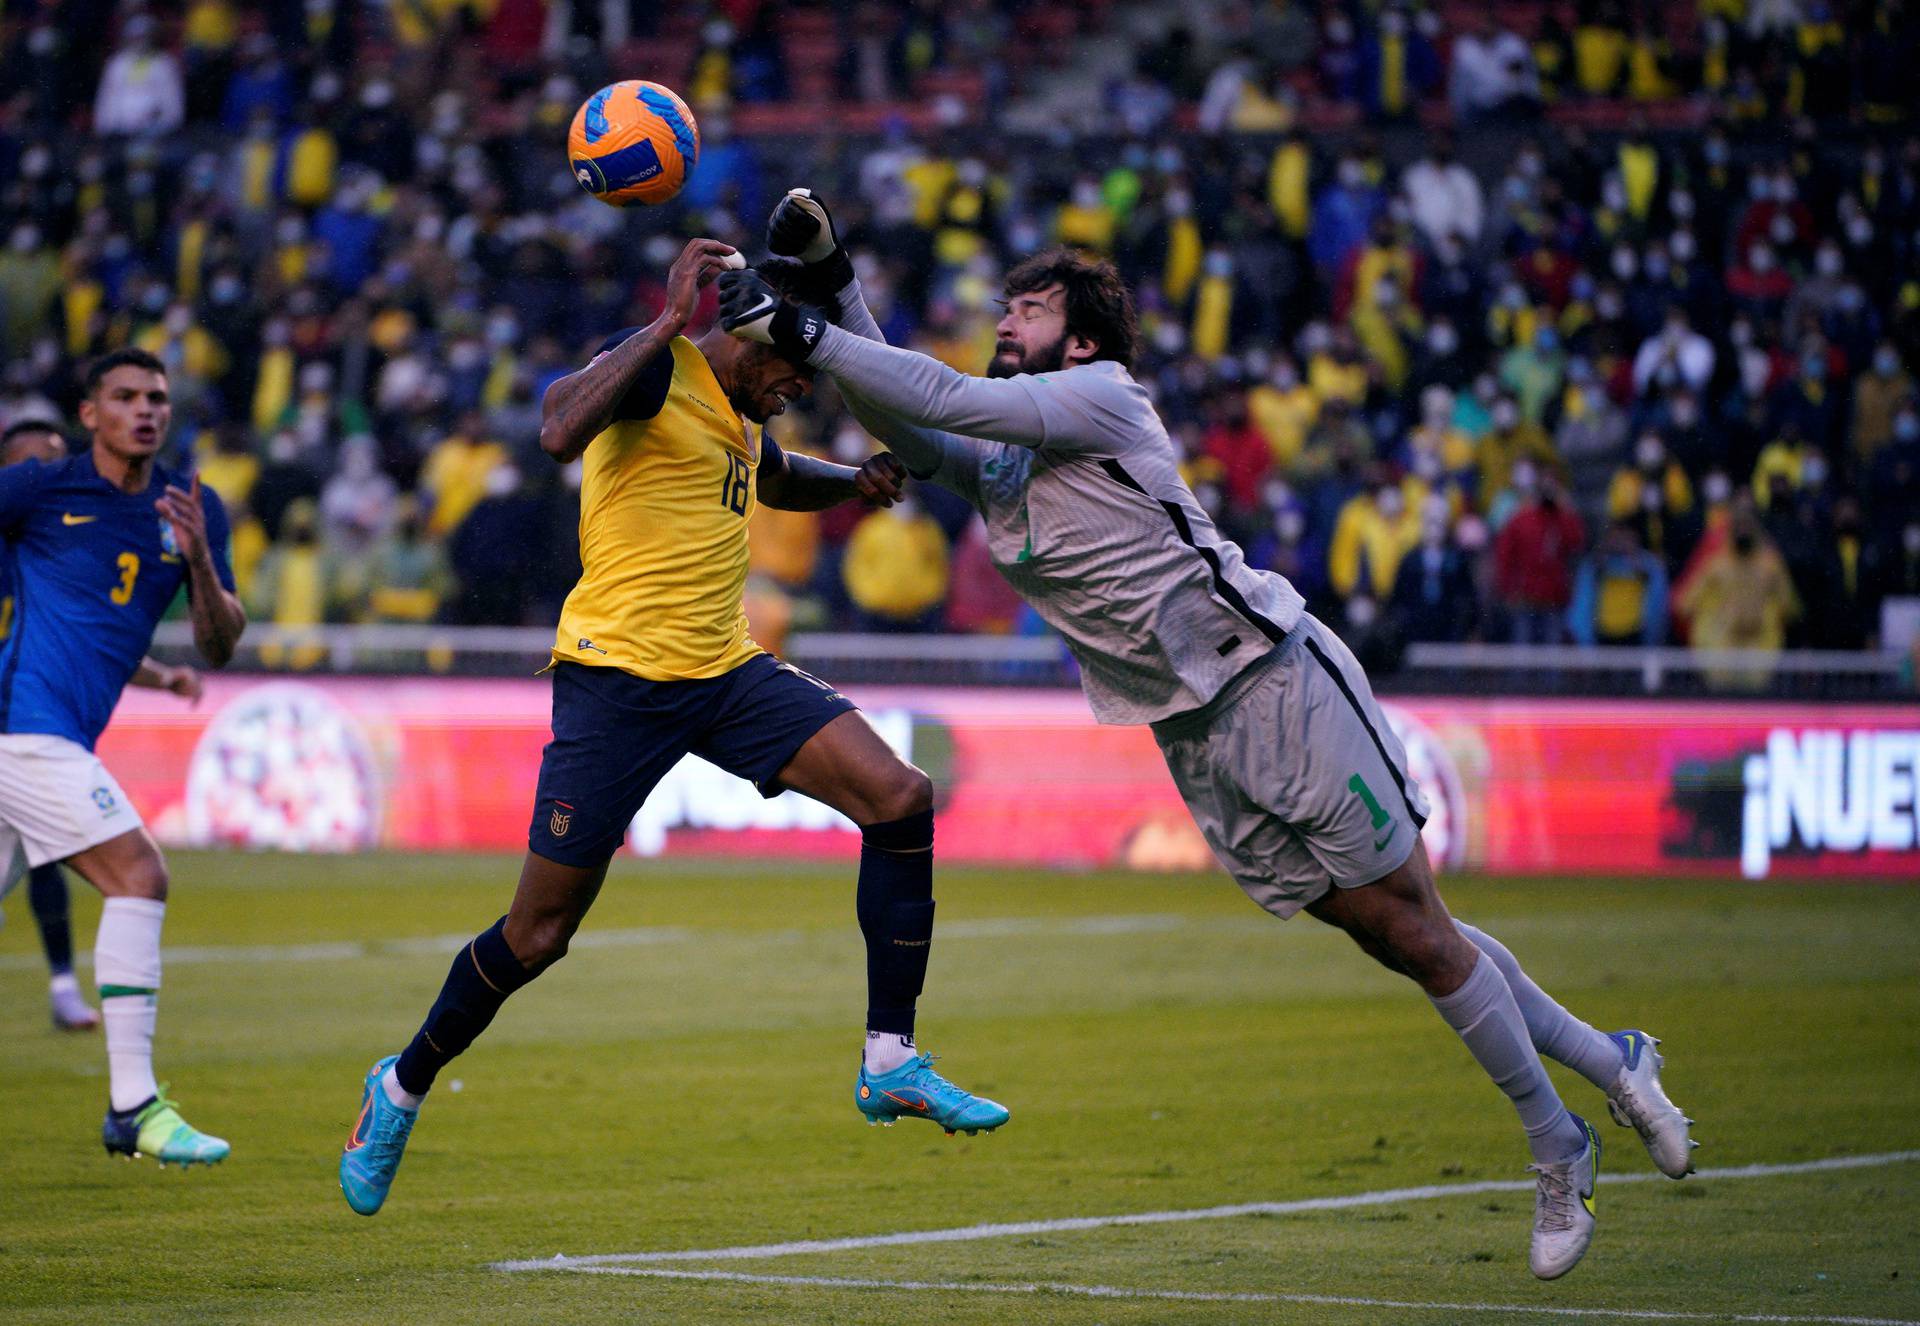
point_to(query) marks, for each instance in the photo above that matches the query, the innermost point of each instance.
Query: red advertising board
(1528, 786)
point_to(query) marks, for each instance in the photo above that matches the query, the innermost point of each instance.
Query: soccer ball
(633, 142)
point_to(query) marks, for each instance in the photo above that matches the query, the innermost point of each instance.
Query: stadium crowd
(1544, 322)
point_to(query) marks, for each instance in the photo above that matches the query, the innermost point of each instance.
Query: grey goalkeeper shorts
(1294, 776)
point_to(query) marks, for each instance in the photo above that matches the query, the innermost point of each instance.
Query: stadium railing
(993, 660)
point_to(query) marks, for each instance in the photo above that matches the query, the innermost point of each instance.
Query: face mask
(1442, 339)
(1741, 334)
(1814, 366)
(1649, 453)
(1352, 174)
(1910, 539)
(1859, 232)
(1389, 502)
(1525, 479)
(1505, 416)
(1907, 427)
(1427, 466)
(1716, 152)
(1680, 203)
(1290, 526)
(1685, 414)
(1813, 470)
(1827, 262)
(1624, 264)
(1783, 189)
(1886, 363)
(1609, 306)
(1718, 488)
(1546, 340)
(1781, 229)
(1760, 258)
(1656, 265)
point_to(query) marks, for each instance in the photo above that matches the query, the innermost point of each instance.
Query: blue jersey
(90, 572)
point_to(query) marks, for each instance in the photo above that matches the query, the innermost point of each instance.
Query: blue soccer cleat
(156, 1129)
(915, 1091)
(379, 1139)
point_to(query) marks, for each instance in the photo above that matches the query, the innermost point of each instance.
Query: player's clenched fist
(882, 481)
(802, 228)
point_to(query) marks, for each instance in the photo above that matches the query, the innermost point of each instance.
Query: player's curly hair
(127, 358)
(1099, 305)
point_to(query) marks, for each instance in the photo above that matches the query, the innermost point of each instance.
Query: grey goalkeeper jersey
(1087, 515)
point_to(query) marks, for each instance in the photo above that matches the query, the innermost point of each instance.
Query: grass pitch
(684, 1081)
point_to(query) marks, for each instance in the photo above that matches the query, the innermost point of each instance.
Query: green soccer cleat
(156, 1129)
(915, 1091)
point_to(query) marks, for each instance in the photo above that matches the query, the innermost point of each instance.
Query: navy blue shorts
(616, 735)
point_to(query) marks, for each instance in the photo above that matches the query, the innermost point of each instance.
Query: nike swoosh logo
(1633, 1050)
(359, 1137)
(920, 1105)
(68, 518)
(1386, 837)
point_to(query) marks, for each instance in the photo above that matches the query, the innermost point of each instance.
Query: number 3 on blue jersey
(129, 564)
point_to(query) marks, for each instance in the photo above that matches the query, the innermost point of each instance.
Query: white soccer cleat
(1637, 1101)
(69, 1007)
(1563, 1215)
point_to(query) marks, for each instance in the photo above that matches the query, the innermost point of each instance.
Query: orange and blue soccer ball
(633, 142)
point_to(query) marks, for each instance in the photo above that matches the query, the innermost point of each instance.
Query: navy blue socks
(483, 974)
(47, 895)
(895, 906)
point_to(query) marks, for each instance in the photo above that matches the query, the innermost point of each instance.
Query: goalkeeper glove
(752, 310)
(801, 227)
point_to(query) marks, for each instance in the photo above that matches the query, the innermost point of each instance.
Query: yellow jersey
(664, 504)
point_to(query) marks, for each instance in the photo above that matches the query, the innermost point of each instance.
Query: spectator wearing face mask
(1808, 403)
(1534, 558)
(1511, 439)
(1741, 598)
(1283, 408)
(1677, 356)
(1846, 612)
(1434, 596)
(1343, 216)
(1758, 286)
(1877, 397)
(1375, 529)
(1444, 197)
(896, 567)
(1619, 593)
(1654, 497)
(1493, 72)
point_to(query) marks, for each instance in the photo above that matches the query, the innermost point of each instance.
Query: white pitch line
(1027, 1228)
(1007, 927)
(1200, 1296)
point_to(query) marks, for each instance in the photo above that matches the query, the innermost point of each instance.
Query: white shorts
(1294, 776)
(56, 799)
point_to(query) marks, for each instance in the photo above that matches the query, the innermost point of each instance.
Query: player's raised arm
(913, 386)
(579, 407)
(800, 229)
(789, 481)
(199, 524)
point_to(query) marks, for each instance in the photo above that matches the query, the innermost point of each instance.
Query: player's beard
(1048, 359)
